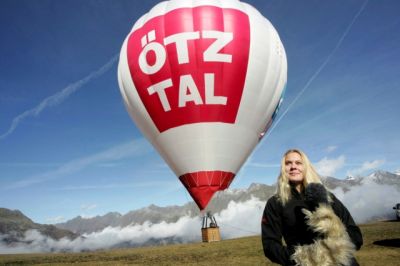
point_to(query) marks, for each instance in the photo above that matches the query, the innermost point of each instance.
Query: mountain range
(219, 202)
(14, 224)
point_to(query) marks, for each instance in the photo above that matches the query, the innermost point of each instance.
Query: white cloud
(142, 184)
(58, 97)
(241, 219)
(366, 166)
(86, 216)
(330, 149)
(370, 201)
(87, 207)
(54, 220)
(264, 165)
(328, 167)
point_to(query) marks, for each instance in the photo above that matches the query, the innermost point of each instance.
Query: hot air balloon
(203, 81)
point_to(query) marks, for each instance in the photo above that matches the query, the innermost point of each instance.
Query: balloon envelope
(203, 81)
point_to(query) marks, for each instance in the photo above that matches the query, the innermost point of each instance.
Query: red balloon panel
(189, 65)
(202, 185)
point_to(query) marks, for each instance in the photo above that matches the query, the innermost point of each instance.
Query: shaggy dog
(334, 246)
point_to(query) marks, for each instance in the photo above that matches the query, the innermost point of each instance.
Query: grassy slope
(242, 251)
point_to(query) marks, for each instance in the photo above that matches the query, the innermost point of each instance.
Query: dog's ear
(315, 194)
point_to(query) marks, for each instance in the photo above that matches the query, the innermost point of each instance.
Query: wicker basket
(210, 234)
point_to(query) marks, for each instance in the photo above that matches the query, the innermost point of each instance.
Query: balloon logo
(203, 81)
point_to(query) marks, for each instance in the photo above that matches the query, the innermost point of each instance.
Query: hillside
(241, 251)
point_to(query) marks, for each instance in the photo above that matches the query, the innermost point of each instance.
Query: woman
(316, 226)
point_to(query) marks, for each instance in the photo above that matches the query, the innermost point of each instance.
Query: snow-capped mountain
(384, 178)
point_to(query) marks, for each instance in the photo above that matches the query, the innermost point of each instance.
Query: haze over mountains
(238, 213)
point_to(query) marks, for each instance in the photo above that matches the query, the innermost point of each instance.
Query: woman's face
(294, 167)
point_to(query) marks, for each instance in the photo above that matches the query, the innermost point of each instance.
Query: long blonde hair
(310, 176)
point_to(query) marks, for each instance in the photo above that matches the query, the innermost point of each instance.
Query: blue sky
(68, 146)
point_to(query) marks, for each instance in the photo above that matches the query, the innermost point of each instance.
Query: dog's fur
(315, 194)
(333, 248)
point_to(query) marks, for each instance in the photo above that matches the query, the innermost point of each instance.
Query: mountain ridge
(14, 224)
(220, 201)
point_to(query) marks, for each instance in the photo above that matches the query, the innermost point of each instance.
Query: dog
(333, 245)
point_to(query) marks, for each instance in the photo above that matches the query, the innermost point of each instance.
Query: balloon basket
(210, 229)
(210, 234)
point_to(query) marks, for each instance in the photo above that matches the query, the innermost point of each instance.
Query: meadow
(381, 247)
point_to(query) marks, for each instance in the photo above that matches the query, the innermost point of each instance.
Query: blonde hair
(310, 176)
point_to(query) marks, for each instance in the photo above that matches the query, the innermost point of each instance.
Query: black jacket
(288, 222)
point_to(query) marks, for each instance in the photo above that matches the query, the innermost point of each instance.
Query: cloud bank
(238, 219)
(370, 201)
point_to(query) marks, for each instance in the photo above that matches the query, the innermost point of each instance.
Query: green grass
(241, 251)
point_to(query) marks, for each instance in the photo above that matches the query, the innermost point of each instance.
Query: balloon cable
(240, 229)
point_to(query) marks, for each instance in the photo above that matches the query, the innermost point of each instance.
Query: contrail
(339, 43)
(59, 97)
